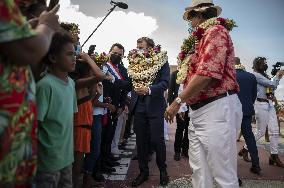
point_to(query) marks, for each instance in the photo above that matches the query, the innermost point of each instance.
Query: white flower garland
(143, 70)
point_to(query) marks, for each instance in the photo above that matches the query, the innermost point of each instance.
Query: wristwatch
(178, 100)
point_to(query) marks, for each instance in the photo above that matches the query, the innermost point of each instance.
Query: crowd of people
(65, 115)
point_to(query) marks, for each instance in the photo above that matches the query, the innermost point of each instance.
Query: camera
(91, 49)
(276, 68)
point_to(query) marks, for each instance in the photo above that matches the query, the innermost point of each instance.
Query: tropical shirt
(214, 57)
(18, 126)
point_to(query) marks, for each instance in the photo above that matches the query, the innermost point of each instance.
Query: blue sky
(260, 30)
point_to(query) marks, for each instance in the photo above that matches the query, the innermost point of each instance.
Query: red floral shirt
(214, 57)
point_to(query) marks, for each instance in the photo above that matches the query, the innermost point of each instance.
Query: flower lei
(240, 67)
(101, 58)
(188, 46)
(71, 27)
(144, 65)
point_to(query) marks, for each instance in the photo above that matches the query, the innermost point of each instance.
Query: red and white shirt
(214, 57)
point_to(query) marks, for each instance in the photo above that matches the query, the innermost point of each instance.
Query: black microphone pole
(110, 11)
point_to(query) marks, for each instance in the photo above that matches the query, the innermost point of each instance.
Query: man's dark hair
(117, 45)
(59, 39)
(256, 63)
(150, 42)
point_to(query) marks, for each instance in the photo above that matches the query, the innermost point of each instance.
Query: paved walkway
(180, 172)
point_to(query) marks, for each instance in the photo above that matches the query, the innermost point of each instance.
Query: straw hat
(199, 6)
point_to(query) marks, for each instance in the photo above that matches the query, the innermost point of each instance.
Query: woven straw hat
(199, 6)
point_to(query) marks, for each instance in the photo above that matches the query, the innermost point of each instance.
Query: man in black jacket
(148, 106)
(247, 96)
(115, 92)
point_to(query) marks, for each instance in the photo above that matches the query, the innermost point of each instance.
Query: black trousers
(128, 124)
(149, 129)
(181, 137)
(108, 132)
(250, 139)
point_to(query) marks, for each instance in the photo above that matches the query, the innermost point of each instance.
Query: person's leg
(158, 141)
(92, 159)
(185, 144)
(116, 138)
(111, 133)
(178, 135)
(140, 124)
(65, 180)
(47, 180)
(77, 168)
(273, 131)
(216, 126)
(262, 118)
(250, 140)
(201, 177)
(166, 134)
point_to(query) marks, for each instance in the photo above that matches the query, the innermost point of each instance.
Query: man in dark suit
(115, 93)
(181, 137)
(148, 106)
(247, 96)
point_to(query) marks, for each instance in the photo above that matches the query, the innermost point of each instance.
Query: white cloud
(121, 27)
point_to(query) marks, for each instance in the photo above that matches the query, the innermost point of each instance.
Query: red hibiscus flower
(199, 33)
(222, 21)
(182, 55)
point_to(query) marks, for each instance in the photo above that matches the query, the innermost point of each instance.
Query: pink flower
(157, 49)
(182, 55)
(222, 21)
(199, 33)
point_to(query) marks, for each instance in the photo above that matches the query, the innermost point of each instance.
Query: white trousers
(166, 134)
(265, 115)
(120, 124)
(212, 143)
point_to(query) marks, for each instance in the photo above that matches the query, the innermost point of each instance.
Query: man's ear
(52, 58)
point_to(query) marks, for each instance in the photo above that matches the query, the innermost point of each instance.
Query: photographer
(264, 109)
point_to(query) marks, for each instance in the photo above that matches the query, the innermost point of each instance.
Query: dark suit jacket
(248, 91)
(118, 90)
(155, 102)
(173, 88)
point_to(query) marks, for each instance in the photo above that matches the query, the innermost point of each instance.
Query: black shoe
(240, 182)
(185, 154)
(177, 157)
(164, 178)
(98, 177)
(139, 180)
(107, 169)
(112, 163)
(121, 147)
(150, 157)
(113, 158)
(255, 169)
(135, 157)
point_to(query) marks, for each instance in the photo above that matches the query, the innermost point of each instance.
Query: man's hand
(85, 57)
(171, 112)
(119, 111)
(111, 108)
(109, 77)
(50, 18)
(142, 91)
(280, 74)
(181, 115)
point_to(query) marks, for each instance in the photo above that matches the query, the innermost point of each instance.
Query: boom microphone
(120, 4)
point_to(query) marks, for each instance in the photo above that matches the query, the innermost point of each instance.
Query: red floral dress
(214, 57)
(18, 126)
